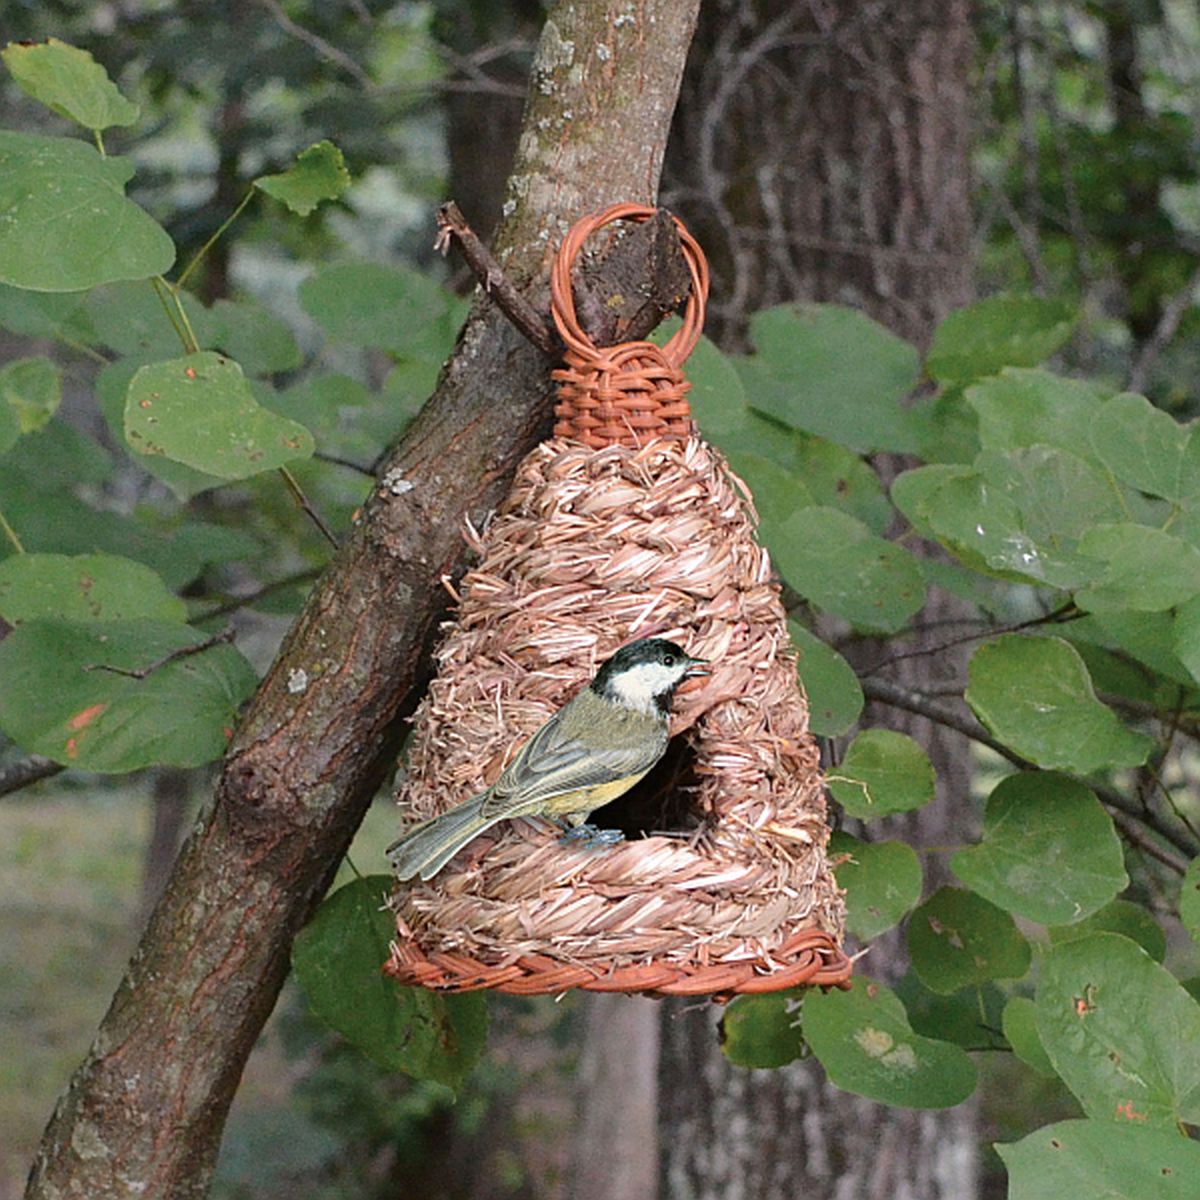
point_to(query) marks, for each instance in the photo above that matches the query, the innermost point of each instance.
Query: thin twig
(325, 49)
(350, 464)
(26, 771)
(1062, 614)
(1164, 331)
(303, 501)
(239, 602)
(452, 226)
(1132, 834)
(217, 639)
(883, 691)
(11, 534)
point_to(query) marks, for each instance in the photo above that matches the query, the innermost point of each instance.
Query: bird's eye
(668, 660)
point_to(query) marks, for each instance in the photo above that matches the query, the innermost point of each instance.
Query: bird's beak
(698, 666)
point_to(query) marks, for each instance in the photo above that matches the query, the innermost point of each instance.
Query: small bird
(594, 749)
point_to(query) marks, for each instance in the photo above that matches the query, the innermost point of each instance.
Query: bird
(592, 750)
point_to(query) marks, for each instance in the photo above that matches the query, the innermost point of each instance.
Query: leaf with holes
(1098, 1159)
(1036, 696)
(70, 82)
(318, 174)
(883, 772)
(1122, 1033)
(57, 698)
(957, 939)
(1049, 850)
(338, 958)
(882, 882)
(65, 223)
(199, 410)
(89, 587)
(866, 1045)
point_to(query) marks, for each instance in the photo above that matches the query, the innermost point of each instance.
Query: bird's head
(645, 674)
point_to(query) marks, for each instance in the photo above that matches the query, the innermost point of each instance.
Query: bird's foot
(591, 836)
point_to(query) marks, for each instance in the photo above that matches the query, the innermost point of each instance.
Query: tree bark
(143, 1114)
(821, 152)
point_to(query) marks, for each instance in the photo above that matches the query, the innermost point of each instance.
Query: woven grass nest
(593, 548)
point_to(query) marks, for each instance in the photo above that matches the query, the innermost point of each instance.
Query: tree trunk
(143, 1114)
(821, 153)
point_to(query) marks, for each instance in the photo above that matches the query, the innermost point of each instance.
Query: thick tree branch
(23, 772)
(143, 1114)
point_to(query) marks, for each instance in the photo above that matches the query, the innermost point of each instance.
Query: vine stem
(198, 257)
(11, 534)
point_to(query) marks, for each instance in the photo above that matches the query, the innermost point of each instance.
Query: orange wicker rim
(810, 958)
(631, 393)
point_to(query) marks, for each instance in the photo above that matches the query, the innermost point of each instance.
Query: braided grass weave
(596, 546)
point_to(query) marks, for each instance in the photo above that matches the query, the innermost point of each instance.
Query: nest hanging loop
(624, 525)
(626, 394)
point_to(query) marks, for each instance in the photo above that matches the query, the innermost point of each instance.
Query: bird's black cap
(647, 650)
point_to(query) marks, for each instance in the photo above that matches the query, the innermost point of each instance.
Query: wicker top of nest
(594, 549)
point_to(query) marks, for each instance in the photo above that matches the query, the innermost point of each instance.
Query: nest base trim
(810, 957)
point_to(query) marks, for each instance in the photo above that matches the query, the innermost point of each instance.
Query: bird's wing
(551, 764)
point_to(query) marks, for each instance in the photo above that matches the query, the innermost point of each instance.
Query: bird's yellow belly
(575, 806)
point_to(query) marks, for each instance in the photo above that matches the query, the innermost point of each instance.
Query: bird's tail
(428, 847)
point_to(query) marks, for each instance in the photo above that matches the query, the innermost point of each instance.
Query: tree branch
(25, 771)
(885, 692)
(143, 1114)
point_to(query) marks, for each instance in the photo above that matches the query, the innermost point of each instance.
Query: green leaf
(1141, 445)
(1002, 331)
(91, 587)
(882, 882)
(1144, 569)
(45, 314)
(777, 494)
(1098, 1159)
(69, 81)
(380, 307)
(30, 392)
(763, 1031)
(717, 398)
(834, 372)
(1019, 409)
(969, 1018)
(1020, 1028)
(1118, 916)
(957, 939)
(319, 173)
(256, 339)
(866, 1045)
(338, 958)
(834, 697)
(1049, 850)
(54, 701)
(1189, 900)
(1036, 696)
(199, 410)
(1122, 1033)
(112, 389)
(66, 223)
(1186, 640)
(883, 772)
(841, 566)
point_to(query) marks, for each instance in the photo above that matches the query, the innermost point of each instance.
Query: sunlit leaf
(65, 223)
(1121, 1032)
(69, 81)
